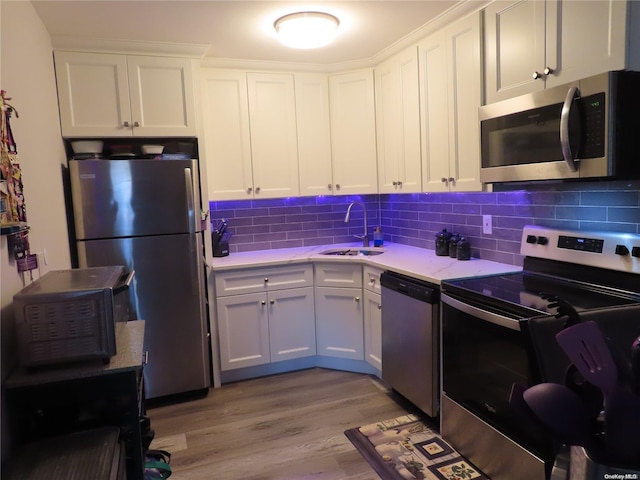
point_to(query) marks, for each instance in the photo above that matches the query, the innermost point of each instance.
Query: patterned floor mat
(406, 448)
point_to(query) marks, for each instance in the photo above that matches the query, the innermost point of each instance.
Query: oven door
(484, 352)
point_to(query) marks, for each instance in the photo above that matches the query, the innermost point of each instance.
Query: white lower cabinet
(269, 323)
(339, 310)
(339, 330)
(292, 332)
(243, 328)
(373, 329)
(372, 317)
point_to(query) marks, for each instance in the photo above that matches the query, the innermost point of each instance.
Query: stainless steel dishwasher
(410, 341)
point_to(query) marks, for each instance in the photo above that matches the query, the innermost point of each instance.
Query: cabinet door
(451, 78)
(292, 327)
(93, 94)
(398, 124)
(464, 71)
(227, 146)
(373, 329)
(514, 48)
(162, 96)
(274, 151)
(339, 329)
(435, 113)
(353, 132)
(314, 137)
(243, 329)
(584, 38)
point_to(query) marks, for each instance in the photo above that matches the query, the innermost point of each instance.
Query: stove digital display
(582, 244)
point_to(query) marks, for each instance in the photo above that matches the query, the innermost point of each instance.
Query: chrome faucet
(365, 237)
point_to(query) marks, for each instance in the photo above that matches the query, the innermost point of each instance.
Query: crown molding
(86, 44)
(453, 14)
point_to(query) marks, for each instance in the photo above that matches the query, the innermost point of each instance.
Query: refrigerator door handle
(191, 213)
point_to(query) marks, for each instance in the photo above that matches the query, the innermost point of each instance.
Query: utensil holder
(583, 467)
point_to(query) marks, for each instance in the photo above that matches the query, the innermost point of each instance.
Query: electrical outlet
(487, 226)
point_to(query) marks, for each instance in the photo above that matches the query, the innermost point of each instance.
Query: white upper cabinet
(103, 95)
(353, 132)
(532, 44)
(227, 145)
(274, 149)
(451, 92)
(314, 134)
(249, 130)
(398, 123)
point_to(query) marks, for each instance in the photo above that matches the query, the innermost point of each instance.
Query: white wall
(27, 75)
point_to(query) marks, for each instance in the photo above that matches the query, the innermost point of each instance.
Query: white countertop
(413, 261)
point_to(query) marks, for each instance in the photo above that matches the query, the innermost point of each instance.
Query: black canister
(453, 244)
(463, 249)
(442, 242)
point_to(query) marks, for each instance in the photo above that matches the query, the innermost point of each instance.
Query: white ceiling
(236, 29)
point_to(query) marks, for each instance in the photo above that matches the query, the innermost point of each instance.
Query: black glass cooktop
(530, 294)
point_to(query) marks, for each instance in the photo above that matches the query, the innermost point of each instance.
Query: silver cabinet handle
(266, 279)
(357, 299)
(548, 70)
(536, 75)
(249, 190)
(136, 124)
(263, 302)
(272, 302)
(372, 281)
(126, 124)
(572, 94)
(145, 357)
(379, 307)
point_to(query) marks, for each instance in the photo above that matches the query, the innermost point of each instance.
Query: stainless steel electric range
(499, 330)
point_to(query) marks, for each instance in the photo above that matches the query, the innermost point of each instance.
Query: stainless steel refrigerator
(145, 214)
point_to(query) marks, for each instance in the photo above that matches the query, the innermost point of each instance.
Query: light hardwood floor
(287, 426)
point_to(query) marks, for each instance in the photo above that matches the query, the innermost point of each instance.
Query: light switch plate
(487, 226)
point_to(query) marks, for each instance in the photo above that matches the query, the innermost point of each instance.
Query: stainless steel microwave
(585, 129)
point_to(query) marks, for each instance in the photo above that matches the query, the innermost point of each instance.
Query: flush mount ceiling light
(306, 29)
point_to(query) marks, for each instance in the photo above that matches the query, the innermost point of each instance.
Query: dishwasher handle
(412, 287)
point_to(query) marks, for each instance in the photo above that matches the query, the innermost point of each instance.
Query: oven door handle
(491, 317)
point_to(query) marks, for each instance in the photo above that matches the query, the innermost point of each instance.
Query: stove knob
(543, 240)
(622, 250)
(635, 252)
(531, 239)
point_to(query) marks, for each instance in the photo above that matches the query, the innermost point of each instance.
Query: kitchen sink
(352, 252)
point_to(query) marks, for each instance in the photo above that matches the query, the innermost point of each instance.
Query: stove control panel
(610, 250)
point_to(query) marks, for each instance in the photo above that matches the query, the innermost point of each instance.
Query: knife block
(221, 249)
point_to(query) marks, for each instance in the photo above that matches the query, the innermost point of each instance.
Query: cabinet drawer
(338, 275)
(263, 279)
(371, 278)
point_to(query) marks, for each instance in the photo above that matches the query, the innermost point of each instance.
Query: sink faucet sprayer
(365, 237)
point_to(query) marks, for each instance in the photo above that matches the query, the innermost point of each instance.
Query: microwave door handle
(128, 278)
(572, 94)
